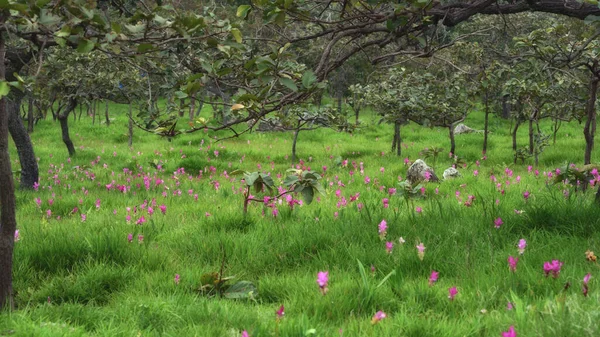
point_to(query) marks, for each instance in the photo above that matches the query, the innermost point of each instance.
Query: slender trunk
(590, 124)
(505, 107)
(514, 135)
(531, 145)
(486, 123)
(192, 107)
(29, 166)
(130, 127)
(106, 112)
(181, 106)
(8, 221)
(356, 113)
(296, 132)
(94, 112)
(557, 124)
(452, 141)
(64, 126)
(395, 140)
(398, 138)
(339, 102)
(30, 118)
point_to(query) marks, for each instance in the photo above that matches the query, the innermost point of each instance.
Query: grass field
(77, 273)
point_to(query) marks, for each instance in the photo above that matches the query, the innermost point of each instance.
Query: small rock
(451, 172)
(462, 128)
(416, 172)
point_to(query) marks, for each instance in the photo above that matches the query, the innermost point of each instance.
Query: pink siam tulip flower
(498, 222)
(130, 238)
(378, 317)
(452, 292)
(421, 251)
(552, 267)
(245, 334)
(389, 246)
(386, 202)
(367, 180)
(586, 280)
(521, 246)
(512, 263)
(510, 333)
(177, 279)
(419, 210)
(382, 228)
(509, 306)
(163, 209)
(322, 279)
(280, 312)
(83, 217)
(526, 195)
(17, 236)
(140, 238)
(433, 277)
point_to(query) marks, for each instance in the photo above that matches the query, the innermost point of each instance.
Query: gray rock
(451, 172)
(462, 128)
(416, 172)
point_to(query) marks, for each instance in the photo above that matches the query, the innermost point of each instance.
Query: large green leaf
(4, 88)
(308, 194)
(241, 290)
(237, 35)
(242, 11)
(289, 83)
(85, 46)
(308, 79)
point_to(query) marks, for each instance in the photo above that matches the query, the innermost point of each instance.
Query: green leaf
(241, 290)
(144, 47)
(85, 46)
(250, 178)
(290, 180)
(4, 88)
(237, 35)
(242, 11)
(288, 83)
(308, 194)
(308, 79)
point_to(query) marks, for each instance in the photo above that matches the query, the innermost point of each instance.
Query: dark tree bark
(94, 106)
(514, 135)
(106, 112)
(8, 221)
(589, 130)
(452, 141)
(29, 166)
(296, 132)
(397, 141)
(192, 107)
(486, 123)
(130, 126)
(30, 118)
(63, 117)
(531, 145)
(181, 105)
(557, 125)
(505, 107)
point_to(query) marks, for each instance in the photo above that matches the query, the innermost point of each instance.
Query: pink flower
(130, 237)
(586, 279)
(322, 279)
(522, 245)
(510, 333)
(512, 263)
(526, 195)
(17, 236)
(382, 228)
(498, 222)
(378, 317)
(280, 312)
(163, 209)
(98, 203)
(418, 210)
(552, 267)
(452, 292)
(367, 180)
(421, 251)
(509, 306)
(389, 246)
(433, 277)
(83, 217)
(386, 202)
(140, 238)
(245, 334)
(177, 278)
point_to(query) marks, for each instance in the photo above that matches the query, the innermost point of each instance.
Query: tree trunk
(397, 139)
(340, 96)
(514, 135)
(192, 107)
(8, 221)
(452, 141)
(30, 118)
(181, 105)
(130, 127)
(505, 107)
(296, 132)
(531, 145)
(106, 112)
(486, 123)
(64, 126)
(557, 124)
(93, 112)
(29, 166)
(590, 124)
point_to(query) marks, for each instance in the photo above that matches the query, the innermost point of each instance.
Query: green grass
(83, 278)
